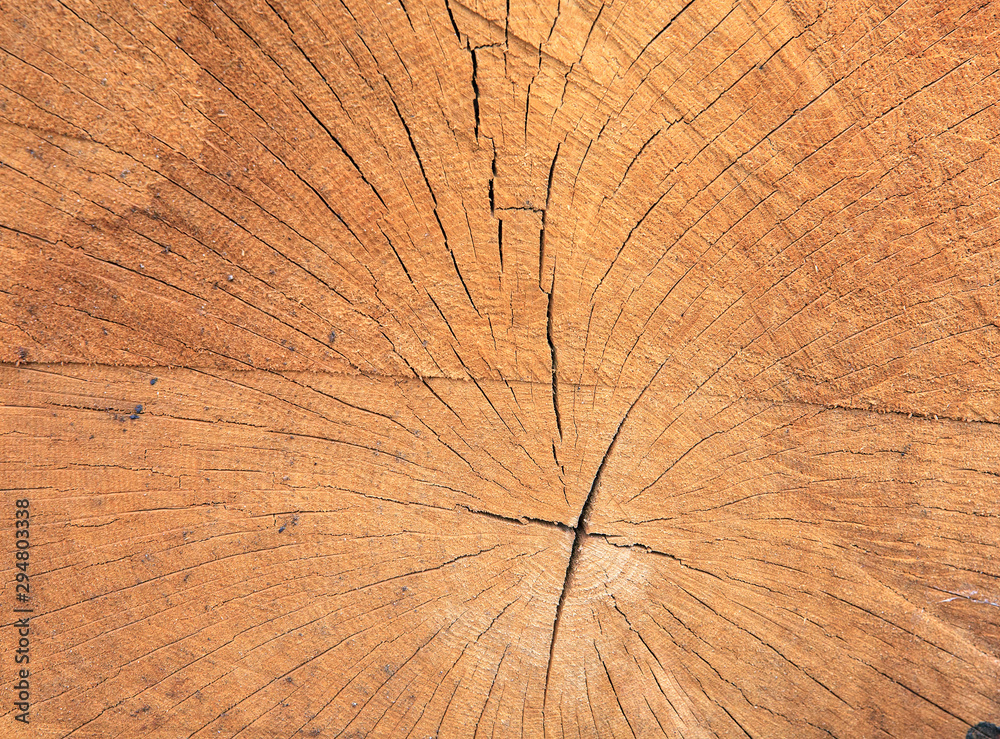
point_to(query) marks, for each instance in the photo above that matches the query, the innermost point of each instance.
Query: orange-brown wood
(438, 368)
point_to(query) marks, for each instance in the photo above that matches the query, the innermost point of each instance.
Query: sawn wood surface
(488, 368)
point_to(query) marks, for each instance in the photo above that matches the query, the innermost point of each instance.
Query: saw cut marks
(439, 368)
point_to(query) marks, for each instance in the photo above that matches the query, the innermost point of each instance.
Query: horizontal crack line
(547, 383)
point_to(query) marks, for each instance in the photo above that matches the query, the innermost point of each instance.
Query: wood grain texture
(556, 368)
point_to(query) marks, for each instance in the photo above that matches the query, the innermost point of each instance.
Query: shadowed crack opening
(580, 533)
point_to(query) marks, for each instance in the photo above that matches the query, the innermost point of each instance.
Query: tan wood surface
(425, 368)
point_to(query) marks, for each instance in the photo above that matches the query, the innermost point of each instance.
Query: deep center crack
(580, 533)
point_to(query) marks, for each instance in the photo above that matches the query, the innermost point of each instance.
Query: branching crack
(580, 533)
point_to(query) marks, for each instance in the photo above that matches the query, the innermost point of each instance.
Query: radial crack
(555, 379)
(580, 532)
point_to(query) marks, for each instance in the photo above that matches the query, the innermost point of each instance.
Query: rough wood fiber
(505, 368)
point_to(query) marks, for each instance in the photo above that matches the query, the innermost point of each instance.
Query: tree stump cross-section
(427, 368)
